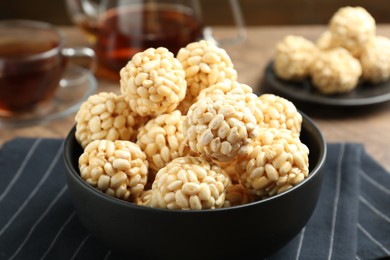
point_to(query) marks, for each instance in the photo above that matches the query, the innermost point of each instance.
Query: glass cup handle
(79, 53)
(240, 25)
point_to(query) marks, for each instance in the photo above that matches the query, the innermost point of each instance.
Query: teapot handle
(82, 11)
(240, 25)
(90, 8)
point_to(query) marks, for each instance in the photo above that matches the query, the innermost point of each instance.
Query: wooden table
(367, 125)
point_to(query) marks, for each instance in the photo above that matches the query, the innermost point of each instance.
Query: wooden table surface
(367, 125)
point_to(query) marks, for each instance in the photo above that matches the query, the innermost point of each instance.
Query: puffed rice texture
(325, 41)
(336, 71)
(236, 91)
(161, 139)
(117, 168)
(274, 162)
(226, 87)
(153, 82)
(144, 198)
(236, 195)
(293, 57)
(205, 64)
(279, 112)
(375, 60)
(189, 183)
(106, 116)
(219, 127)
(229, 168)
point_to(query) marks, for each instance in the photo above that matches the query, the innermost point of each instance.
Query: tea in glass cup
(32, 61)
(124, 31)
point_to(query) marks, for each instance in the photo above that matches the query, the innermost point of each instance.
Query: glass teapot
(121, 28)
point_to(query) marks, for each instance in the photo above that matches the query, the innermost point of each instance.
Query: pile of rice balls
(184, 134)
(348, 52)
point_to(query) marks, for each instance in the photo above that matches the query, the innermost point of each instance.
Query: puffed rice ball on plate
(117, 168)
(335, 71)
(352, 28)
(375, 60)
(189, 183)
(274, 162)
(106, 116)
(293, 57)
(153, 82)
(218, 127)
(205, 64)
(325, 41)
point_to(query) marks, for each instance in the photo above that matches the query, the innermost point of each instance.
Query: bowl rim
(315, 171)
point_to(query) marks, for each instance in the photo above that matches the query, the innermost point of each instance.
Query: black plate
(364, 94)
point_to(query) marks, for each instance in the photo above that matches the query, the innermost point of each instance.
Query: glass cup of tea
(120, 28)
(33, 59)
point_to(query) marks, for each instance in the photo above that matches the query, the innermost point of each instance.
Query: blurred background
(256, 12)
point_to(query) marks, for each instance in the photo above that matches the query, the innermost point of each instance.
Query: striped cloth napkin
(38, 221)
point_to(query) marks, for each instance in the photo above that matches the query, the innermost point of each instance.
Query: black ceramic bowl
(253, 230)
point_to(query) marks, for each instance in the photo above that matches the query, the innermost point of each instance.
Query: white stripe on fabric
(300, 243)
(58, 234)
(21, 169)
(373, 239)
(107, 255)
(54, 201)
(336, 199)
(80, 246)
(374, 209)
(376, 184)
(357, 257)
(35, 190)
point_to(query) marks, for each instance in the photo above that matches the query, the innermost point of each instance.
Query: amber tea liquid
(127, 30)
(26, 79)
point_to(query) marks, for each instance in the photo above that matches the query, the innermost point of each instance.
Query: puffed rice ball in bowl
(253, 229)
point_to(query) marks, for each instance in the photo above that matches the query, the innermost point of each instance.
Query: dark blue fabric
(37, 219)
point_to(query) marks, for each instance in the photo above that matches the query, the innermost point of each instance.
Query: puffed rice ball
(144, 198)
(189, 183)
(106, 116)
(218, 127)
(225, 87)
(161, 139)
(117, 168)
(153, 82)
(236, 91)
(255, 105)
(375, 60)
(274, 162)
(279, 112)
(205, 64)
(352, 28)
(293, 57)
(335, 71)
(229, 168)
